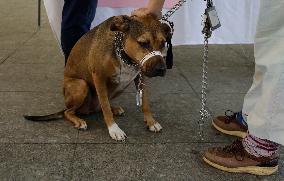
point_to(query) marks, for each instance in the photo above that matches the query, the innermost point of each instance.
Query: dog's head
(142, 36)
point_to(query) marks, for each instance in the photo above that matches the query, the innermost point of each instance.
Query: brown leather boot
(234, 158)
(230, 125)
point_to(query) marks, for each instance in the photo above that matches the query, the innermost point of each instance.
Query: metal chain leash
(204, 113)
(204, 86)
(118, 36)
(170, 12)
(207, 32)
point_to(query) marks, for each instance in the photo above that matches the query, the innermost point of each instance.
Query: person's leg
(77, 16)
(264, 103)
(260, 147)
(257, 153)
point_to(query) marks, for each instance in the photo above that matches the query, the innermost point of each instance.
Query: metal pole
(39, 13)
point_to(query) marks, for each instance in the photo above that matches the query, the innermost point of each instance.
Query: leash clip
(213, 18)
(139, 93)
(139, 96)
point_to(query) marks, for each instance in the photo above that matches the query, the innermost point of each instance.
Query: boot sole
(232, 133)
(256, 170)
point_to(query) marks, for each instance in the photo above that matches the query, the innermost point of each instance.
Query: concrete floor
(31, 68)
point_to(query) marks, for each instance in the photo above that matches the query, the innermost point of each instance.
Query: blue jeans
(77, 17)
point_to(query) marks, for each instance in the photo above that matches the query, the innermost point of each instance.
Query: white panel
(238, 20)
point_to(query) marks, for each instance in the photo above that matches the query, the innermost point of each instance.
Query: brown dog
(95, 73)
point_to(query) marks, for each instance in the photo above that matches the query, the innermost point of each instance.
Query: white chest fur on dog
(125, 76)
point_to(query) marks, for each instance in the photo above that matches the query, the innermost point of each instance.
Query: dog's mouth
(153, 64)
(158, 69)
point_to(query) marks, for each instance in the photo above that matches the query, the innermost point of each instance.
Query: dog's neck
(126, 59)
(119, 51)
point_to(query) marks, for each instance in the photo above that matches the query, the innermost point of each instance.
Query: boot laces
(229, 115)
(237, 149)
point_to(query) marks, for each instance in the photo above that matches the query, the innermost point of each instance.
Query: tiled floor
(31, 72)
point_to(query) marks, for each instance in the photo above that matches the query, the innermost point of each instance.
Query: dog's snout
(160, 69)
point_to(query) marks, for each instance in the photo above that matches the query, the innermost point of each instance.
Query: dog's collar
(119, 51)
(127, 60)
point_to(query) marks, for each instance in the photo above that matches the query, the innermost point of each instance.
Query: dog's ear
(167, 31)
(120, 23)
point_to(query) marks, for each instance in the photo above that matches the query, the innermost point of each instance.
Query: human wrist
(155, 6)
(157, 12)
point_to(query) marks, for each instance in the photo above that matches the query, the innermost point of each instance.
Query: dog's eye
(145, 45)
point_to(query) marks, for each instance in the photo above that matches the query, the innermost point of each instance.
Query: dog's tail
(54, 116)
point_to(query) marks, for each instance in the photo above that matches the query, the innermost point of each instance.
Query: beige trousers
(264, 102)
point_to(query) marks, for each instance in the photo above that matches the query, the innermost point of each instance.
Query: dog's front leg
(152, 124)
(114, 131)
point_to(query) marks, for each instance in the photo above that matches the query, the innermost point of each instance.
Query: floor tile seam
(109, 143)
(195, 72)
(28, 91)
(198, 95)
(14, 63)
(164, 93)
(1, 91)
(73, 159)
(243, 54)
(3, 60)
(187, 81)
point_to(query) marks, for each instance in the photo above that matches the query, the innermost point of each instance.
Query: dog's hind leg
(117, 111)
(75, 93)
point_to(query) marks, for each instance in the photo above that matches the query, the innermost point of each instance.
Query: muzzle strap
(150, 55)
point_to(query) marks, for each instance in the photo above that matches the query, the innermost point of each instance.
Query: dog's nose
(160, 69)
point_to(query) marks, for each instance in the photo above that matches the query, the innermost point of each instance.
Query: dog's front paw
(156, 127)
(116, 133)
